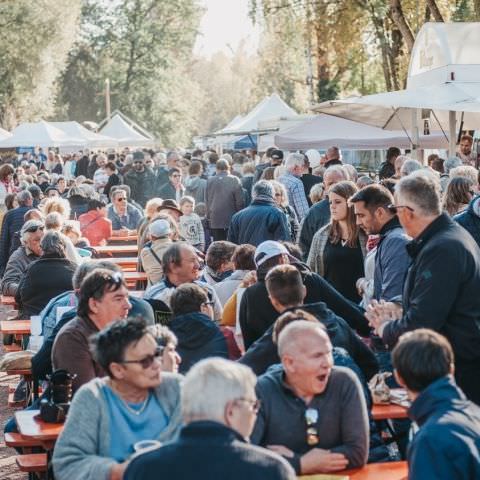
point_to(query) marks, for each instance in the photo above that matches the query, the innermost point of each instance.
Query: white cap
(160, 228)
(267, 250)
(313, 158)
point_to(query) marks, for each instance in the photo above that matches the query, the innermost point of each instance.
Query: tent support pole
(415, 137)
(452, 126)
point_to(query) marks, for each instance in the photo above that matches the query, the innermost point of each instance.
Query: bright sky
(225, 24)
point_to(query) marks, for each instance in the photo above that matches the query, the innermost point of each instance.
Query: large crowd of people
(278, 285)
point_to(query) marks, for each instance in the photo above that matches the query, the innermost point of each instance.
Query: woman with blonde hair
(338, 249)
(458, 195)
(281, 199)
(56, 204)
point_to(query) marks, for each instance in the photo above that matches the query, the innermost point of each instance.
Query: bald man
(333, 433)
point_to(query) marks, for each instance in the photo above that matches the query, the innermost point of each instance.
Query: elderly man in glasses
(125, 217)
(112, 417)
(441, 287)
(219, 407)
(312, 413)
(31, 235)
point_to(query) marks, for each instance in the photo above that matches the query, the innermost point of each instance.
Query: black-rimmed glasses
(311, 418)
(254, 404)
(148, 360)
(394, 208)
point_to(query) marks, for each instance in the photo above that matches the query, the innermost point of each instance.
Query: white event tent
(89, 139)
(4, 134)
(323, 131)
(126, 136)
(39, 134)
(443, 78)
(276, 126)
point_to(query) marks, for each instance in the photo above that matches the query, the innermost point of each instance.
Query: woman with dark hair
(11, 201)
(46, 277)
(338, 249)
(94, 225)
(458, 195)
(111, 417)
(6, 184)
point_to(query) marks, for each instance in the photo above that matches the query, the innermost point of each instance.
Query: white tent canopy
(125, 134)
(443, 78)
(89, 139)
(324, 131)
(39, 134)
(4, 134)
(270, 107)
(277, 125)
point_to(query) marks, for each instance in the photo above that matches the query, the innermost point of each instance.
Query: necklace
(127, 406)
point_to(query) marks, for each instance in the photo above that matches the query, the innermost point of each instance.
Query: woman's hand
(117, 471)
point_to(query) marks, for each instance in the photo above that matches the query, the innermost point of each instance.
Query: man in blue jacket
(447, 445)
(261, 221)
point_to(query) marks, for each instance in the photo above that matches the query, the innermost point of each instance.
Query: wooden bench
(12, 348)
(15, 440)
(32, 462)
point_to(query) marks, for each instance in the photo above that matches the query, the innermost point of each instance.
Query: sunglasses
(35, 228)
(210, 303)
(311, 418)
(254, 404)
(148, 360)
(394, 208)
(176, 176)
(121, 199)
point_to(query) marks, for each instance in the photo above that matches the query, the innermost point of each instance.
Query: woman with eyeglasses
(109, 416)
(338, 249)
(458, 195)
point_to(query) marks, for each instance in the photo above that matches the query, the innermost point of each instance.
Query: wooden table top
(7, 300)
(32, 427)
(124, 261)
(124, 238)
(135, 276)
(378, 471)
(19, 327)
(390, 411)
(120, 249)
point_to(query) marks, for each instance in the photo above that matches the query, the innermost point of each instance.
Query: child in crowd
(191, 228)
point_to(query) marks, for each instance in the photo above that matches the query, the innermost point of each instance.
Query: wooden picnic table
(125, 261)
(372, 471)
(391, 411)
(135, 276)
(124, 238)
(7, 300)
(15, 327)
(109, 250)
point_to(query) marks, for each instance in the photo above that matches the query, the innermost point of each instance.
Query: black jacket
(263, 352)
(257, 313)
(309, 180)
(386, 170)
(470, 219)
(198, 337)
(208, 450)
(142, 185)
(317, 217)
(44, 279)
(441, 290)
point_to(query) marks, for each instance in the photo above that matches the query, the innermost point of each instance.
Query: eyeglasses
(394, 208)
(254, 404)
(311, 418)
(210, 303)
(472, 193)
(176, 176)
(148, 360)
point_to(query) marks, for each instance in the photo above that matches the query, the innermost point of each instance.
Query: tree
(35, 38)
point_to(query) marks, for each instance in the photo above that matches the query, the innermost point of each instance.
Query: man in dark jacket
(319, 214)
(173, 189)
(441, 287)
(387, 168)
(224, 198)
(12, 223)
(198, 335)
(470, 219)
(195, 185)
(273, 157)
(286, 292)
(447, 445)
(391, 260)
(140, 179)
(219, 406)
(261, 221)
(257, 312)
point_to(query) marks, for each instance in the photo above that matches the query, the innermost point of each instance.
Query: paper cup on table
(144, 445)
(36, 325)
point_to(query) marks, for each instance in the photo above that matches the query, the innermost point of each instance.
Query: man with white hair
(466, 171)
(312, 413)
(219, 408)
(295, 165)
(30, 250)
(410, 166)
(319, 215)
(441, 287)
(261, 221)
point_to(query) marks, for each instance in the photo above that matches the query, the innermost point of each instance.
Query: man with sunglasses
(173, 189)
(313, 413)
(441, 287)
(374, 215)
(140, 179)
(125, 217)
(111, 417)
(103, 299)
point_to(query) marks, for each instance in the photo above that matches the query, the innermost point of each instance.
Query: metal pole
(415, 137)
(107, 97)
(452, 129)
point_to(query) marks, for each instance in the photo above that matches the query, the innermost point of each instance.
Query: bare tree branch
(432, 6)
(402, 24)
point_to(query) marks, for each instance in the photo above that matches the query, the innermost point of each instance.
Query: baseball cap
(159, 228)
(277, 154)
(138, 157)
(267, 250)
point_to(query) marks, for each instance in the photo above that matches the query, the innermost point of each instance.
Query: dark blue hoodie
(447, 445)
(198, 337)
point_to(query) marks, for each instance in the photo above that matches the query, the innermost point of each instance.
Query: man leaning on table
(312, 413)
(447, 445)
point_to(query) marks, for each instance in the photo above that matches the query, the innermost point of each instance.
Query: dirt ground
(8, 467)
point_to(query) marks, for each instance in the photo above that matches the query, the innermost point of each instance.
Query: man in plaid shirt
(291, 179)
